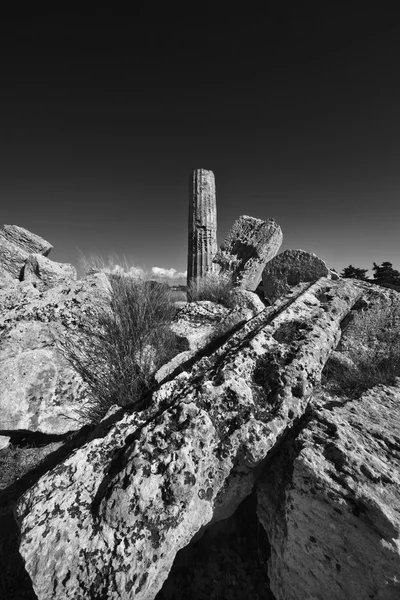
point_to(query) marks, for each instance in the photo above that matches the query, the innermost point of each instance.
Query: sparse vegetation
(373, 353)
(118, 354)
(213, 287)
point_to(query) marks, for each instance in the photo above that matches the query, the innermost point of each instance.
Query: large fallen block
(249, 245)
(288, 269)
(109, 520)
(330, 503)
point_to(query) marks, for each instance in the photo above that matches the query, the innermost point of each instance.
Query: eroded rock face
(290, 268)
(330, 503)
(44, 273)
(39, 391)
(109, 520)
(16, 244)
(249, 245)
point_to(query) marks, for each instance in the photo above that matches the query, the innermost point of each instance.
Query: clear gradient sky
(103, 117)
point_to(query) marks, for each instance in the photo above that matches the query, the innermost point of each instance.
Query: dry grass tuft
(212, 287)
(118, 354)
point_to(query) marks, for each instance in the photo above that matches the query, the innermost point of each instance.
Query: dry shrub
(212, 287)
(118, 354)
(374, 352)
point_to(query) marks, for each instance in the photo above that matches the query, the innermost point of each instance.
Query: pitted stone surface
(39, 391)
(247, 248)
(289, 269)
(109, 520)
(330, 503)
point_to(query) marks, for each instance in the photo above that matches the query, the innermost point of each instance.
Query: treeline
(384, 274)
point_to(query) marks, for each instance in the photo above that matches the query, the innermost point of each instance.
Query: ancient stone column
(202, 242)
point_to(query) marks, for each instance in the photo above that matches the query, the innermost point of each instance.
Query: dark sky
(103, 117)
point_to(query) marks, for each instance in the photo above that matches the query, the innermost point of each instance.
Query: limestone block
(249, 245)
(44, 273)
(16, 243)
(330, 503)
(291, 268)
(39, 390)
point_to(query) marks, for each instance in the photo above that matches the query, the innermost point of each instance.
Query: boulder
(108, 521)
(44, 273)
(245, 300)
(330, 503)
(16, 244)
(39, 390)
(197, 322)
(249, 245)
(288, 269)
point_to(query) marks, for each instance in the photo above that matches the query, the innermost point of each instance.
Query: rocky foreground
(239, 431)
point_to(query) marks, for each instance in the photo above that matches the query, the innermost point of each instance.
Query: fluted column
(202, 242)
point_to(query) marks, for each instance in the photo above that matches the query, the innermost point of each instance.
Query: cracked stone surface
(109, 520)
(330, 503)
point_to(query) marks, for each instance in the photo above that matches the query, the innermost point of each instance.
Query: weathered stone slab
(330, 503)
(39, 390)
(16, 243)
(109, 521)
(30, 242)
(44, 273)
(249, 245)
(290, 268)
(202, 240)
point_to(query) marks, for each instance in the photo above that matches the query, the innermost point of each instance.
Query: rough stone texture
(6, 279)
(197, 321)
(16, 244)
(330, 503)
(243, 299)
(44, 273)
(39, 391)
(109, 520)
(202, 240)
(167, 369)
(249, 245)
(291, 268)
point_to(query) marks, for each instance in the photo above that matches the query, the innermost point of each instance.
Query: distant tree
(385, 273)
(354, 272)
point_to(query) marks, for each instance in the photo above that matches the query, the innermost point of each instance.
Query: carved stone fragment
(249, 245)
(202, 242)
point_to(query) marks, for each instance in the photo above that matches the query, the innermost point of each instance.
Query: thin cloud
(169, 273)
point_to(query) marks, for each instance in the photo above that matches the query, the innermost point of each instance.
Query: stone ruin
(111, 511)
(248, 246)
(202, 243)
